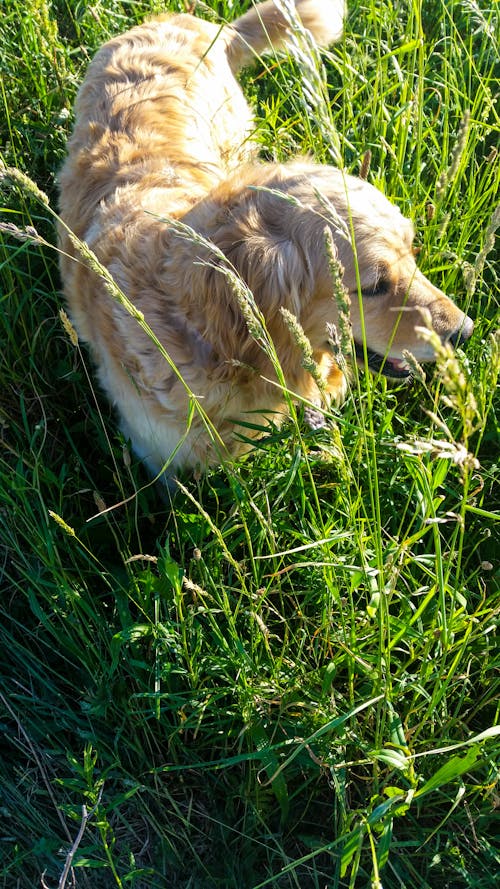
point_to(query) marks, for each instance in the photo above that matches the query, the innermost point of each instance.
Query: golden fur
(162, 131)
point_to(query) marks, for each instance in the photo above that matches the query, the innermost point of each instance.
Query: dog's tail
(266, 25)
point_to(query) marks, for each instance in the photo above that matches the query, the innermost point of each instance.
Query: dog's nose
(463, 333)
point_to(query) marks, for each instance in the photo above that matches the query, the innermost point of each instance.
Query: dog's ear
(261, 272)
(221, 316)
(275, 269)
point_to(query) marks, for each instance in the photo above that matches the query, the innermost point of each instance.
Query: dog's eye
(379, 289)
(383, 282)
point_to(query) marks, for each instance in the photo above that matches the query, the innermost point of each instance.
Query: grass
(290, 677)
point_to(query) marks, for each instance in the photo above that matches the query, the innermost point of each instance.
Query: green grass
(290, 678)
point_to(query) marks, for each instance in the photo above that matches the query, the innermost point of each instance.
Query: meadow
(287, 675)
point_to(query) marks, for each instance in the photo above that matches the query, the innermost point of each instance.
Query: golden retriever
(162, 132)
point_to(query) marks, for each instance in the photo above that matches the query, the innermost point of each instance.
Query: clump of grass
(289, 675)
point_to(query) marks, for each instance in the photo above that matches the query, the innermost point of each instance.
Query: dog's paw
(315, 419)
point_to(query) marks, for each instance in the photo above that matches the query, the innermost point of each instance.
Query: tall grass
(288, 676)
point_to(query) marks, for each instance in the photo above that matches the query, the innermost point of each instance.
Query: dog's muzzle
(463, 333)
(397, 368)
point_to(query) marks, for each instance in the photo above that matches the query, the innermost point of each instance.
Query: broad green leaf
(455, 767)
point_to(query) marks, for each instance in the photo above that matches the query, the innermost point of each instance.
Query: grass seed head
(68, 327)
(340, 334)
(24, 182)
(451, 369)
(416, 368)
(365, 165)
(301, 340)
(29, 233)
(448, 176)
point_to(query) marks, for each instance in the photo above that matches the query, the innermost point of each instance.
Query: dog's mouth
(394, 368)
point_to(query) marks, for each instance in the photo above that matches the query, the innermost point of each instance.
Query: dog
(163, 183)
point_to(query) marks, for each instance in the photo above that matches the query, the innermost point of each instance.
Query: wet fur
(162, 131)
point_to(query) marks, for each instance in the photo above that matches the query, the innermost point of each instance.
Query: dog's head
(270, 223)
(390, 297)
